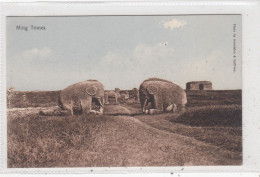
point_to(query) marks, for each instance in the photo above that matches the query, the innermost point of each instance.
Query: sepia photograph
(124, 91)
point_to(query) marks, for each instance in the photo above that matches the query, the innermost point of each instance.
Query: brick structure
(199, 85)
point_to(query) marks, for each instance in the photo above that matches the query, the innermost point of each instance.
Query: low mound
(222, 115)
(116, 110)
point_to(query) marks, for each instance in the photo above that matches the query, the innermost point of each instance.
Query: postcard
(124, 91)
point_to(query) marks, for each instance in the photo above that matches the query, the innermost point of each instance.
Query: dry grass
(36, 141)
(213, 97)
(24, 99)
(221, 115)
(200, 136)
(79, 141)
(217, 125)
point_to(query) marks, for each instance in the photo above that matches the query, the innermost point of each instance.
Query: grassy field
(203, 135)
(213, 97)
(24, 99)
(217, 125)
(214, 115)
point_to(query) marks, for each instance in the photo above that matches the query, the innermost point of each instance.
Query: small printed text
(31, 27)
(234, 47)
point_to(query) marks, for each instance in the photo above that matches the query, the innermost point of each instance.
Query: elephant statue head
(161, 96)
(81, 95)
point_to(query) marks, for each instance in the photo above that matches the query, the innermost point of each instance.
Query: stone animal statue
(163, 95)
(80, 97)
(124, 95)
(112, 94)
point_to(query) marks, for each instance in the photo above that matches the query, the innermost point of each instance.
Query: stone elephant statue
(80, 96)
(163, 95)
(112, 94)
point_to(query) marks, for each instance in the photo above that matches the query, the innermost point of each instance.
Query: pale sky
(122, 51)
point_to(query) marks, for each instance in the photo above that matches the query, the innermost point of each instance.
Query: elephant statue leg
(155, 107)
(101, 107)
(144, 106)
(116, 99)
(71, 108)
(86, 105)
(106, 98)
(68, 107)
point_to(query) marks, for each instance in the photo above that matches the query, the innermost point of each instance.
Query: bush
(221, 115)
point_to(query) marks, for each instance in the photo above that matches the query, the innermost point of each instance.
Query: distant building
(199, 85)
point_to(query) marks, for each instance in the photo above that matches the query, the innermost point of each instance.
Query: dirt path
(143, 145)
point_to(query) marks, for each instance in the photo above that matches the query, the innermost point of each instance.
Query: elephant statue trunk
(145, 104)
(100, 102)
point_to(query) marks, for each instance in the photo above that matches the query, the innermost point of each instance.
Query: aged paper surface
(124, 91)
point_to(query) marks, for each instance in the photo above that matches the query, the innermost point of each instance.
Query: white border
(250, 11)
